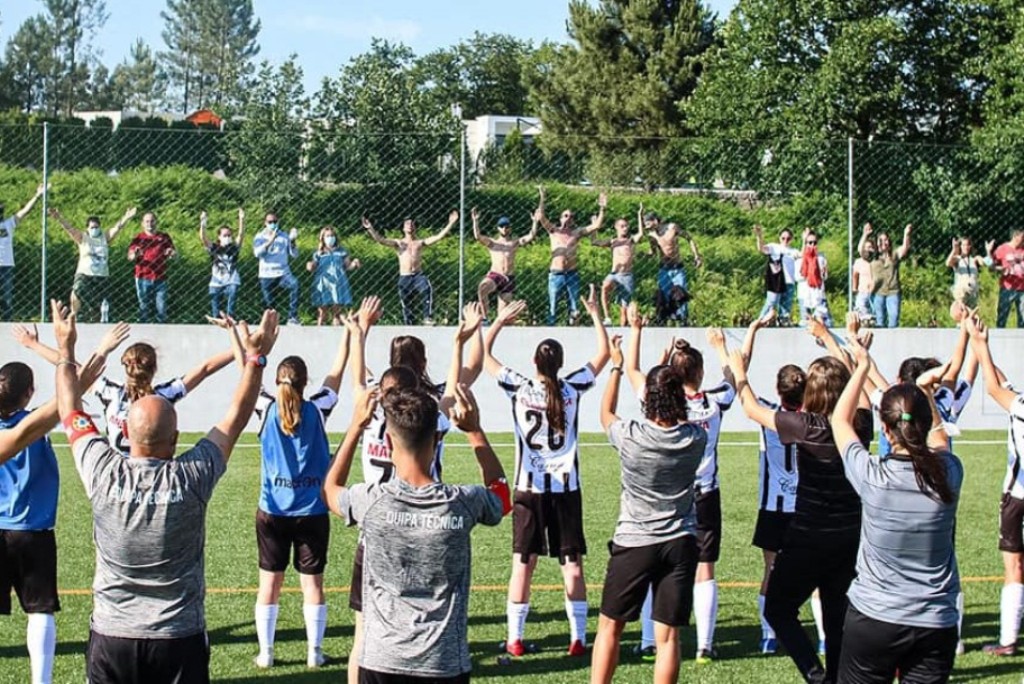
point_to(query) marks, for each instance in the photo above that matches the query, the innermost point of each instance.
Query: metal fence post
(46, 193)
(462, 219)
(849, 225)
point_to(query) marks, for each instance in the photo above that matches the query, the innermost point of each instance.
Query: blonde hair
(139, 361)
(322, 246)
(292, 377)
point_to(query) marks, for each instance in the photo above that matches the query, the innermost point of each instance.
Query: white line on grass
(507, 445)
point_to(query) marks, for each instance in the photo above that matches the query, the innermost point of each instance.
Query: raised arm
(637, 378)
(466, 331)
(716, 338)
(993, 377)
(610, 399)
(597, 221)
(748, 340)
(504, 317)
(240, 235)
(475, 216)
(956, 361)
(759, 236)
(846, 408)
(473, 315)
(823, 335)
(865, 233)
(757, 412)
(194, 377)
(334, 375)
(540, 214)
(74, 233)
(23, 212)
(532, 235)
(954, 254)
(30, 340)
(359, 325)
(203, 220)
(377, 237)
(129, 214)
(337, 475)
(600, 357)
(904, 249)
(453, 218)
(466, 416)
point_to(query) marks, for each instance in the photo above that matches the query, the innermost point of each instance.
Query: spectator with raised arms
(274, 249)
(92, 274)
(966, 271)
(501, 279)
(149, 519)
(7, 226)
(224, 278)
(548, 516)
(619, 282)
(885, 270)
(412, 282)
(673, 298)
(780, 274)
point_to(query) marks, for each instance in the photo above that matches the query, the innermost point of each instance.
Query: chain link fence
(716, 190)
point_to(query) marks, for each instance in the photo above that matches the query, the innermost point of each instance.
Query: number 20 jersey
(546, 461)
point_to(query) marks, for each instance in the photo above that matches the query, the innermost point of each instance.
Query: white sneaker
(265, 660)
(315, 658)
(606, 322)
(294, 321)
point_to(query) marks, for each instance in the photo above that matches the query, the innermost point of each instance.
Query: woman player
(291, 514)
(704, 407)
(548, 512)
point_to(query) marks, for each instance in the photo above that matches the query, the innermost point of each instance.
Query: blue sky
(326, 33)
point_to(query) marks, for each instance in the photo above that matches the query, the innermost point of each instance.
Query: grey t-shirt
(149, 526)
(658, 470)
(906, 566)
(416, 572)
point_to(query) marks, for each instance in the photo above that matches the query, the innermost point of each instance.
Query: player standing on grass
(548, 502)
(30, 483)
(149, 520)
(1011, 510)
(620, 281)
(291, 516)
(501, 279)
(704, 408)
(654, 544)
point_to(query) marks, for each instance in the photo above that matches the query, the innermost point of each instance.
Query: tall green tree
(72, 25)
(618, 90)
(181, 58)
(27, 62)
(137, 81)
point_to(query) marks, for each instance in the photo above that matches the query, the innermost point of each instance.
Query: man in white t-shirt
(7, 226)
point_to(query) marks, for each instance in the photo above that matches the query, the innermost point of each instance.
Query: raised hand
(454, 216)
(716, 338)
(224, 321)
(474, 214)
(868, 230)
(113, 338)
(293, 234)
(857, 350)
(757, 230)
(852, 323)
(510, 312)
(260, 341)
(989, 246)
(204, 219)
(590, 303)
(616, 350)
(465, 412)
(636, 322)
(63, 327)
(24, 336)
(366, 223)
(53, 213)
(472, 317)
(765, 320)
(130, 213)
(816, 328)
(241, 214)
(976, 328)
(737, 364)
(369, 313)
(365, 404)
(602, 200)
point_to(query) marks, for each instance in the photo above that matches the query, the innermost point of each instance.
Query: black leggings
(797, 572)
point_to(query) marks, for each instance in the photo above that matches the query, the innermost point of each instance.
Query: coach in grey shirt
(149, 512)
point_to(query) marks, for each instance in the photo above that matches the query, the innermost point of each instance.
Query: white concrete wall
(181, 347)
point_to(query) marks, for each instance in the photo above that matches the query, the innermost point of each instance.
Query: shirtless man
(620, 280)
(565, 241)
(500, 278)
(673, 300)
(412, 282)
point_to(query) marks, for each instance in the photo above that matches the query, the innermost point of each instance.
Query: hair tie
(284, 381)
(906, 417)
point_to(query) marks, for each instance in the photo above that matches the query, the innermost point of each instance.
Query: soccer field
(232, 574)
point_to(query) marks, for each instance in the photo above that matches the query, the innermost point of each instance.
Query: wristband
(500, 488)
(79, 424)
(615, 368)
(256, 360)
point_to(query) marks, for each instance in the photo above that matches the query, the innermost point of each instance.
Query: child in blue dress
(330, 284)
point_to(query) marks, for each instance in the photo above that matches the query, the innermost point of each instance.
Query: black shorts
(770, 529)
(372, 677)
(28, 565)
(709, 525)
(90, 290)
(154, 661)
(277, 535)
(667, 568)
(1011, 524)
(874, 651)
(355, 594)
(548, 524)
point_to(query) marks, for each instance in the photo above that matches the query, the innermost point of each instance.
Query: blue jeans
(228, 292)
(569, 281)
(673, 278)
(6, 293)
(782, 302)
(151, 293)
(288, 282)
(1008, 299)
(886, 305)
(410, 287)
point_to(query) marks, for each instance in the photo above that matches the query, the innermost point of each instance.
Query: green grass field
(231, 578)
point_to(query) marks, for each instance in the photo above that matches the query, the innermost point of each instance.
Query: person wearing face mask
(274, 248)
(885, 270)
(7, 226)
(966, 272)
(150, 250)
(90, 288)
(224, 279)
(331, 290)
(863, 281)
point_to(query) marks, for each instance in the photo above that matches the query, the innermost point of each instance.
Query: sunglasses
(812, 242)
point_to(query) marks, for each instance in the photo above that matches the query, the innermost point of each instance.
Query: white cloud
(404, 30)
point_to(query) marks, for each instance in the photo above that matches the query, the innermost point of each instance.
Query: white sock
(266, 625)
(1010, 604)
(576, 611)
(766, 630)
(960, 615)
(647, 621)
(516, 614)
(819, 621)
(705, 610)
(41, 640)
(315, 617)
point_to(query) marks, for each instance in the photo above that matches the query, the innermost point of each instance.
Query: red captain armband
(500, 488)
(78, 424)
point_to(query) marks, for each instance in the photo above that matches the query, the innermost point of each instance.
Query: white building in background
(119, 115)
(491, 129)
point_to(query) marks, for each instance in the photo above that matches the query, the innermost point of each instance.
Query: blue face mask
(272, 227)
(329, 240)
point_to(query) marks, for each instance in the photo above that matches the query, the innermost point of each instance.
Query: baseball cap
(503, 221)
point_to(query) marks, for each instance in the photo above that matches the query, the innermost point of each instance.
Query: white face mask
(225, 240)
(94, 232)
(329, 240)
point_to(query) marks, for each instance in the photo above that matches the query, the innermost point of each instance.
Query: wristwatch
(256, 360)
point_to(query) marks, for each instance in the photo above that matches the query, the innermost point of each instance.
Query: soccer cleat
(577, 649)
(1000, 650)
(769, 647)
(515, 648)
(706, 655)
(315, 659)
(960, 648)
(648, 654)
(264, 660)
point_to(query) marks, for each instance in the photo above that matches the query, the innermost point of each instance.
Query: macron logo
(298, 483)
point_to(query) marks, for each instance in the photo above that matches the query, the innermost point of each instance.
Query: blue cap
(504, 221)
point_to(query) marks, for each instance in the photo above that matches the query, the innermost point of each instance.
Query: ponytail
(688, 361)
(292, 377)
(139, 361)
(907, 413)
(548, 359)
